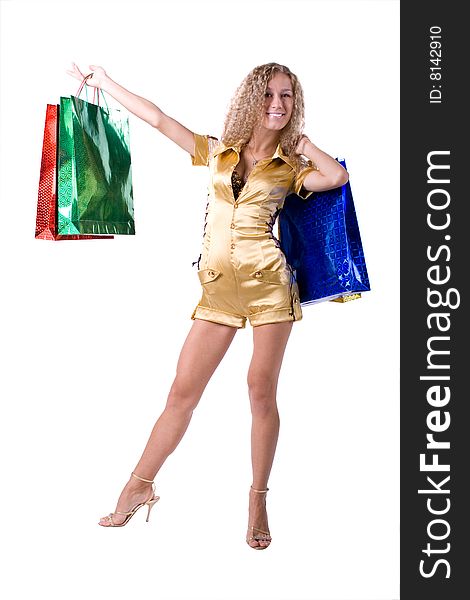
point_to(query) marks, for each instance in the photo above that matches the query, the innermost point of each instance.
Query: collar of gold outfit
(221, 148)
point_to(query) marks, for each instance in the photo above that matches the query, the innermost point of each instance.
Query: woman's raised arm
(142, 108)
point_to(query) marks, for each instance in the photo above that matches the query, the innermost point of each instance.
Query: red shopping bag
(46, 215)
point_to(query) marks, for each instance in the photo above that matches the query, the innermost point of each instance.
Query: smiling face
(278, 102)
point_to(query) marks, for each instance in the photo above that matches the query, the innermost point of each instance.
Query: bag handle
(94, 91)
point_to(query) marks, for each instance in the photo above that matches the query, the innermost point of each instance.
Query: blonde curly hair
(247, 107)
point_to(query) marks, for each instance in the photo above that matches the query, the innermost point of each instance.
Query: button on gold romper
(242, 270)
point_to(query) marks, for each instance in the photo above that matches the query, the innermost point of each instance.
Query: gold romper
(242, 269)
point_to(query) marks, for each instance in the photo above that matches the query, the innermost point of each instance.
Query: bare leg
(203, 349)
(269, 346)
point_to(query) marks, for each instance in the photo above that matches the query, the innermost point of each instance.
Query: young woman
(261, 157)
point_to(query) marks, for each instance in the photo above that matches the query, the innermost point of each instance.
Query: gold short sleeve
(297, 186)
(203, 146)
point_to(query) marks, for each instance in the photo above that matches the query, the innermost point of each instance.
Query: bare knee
(182, 396)
(262, 393)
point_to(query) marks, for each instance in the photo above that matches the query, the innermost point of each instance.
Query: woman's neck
(261, 145)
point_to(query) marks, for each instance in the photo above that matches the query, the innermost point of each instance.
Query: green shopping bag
(94, 170)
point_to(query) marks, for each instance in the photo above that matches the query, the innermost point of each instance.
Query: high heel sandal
(150, 503)
(262, 536)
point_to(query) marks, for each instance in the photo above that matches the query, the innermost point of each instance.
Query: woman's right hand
(97, 80)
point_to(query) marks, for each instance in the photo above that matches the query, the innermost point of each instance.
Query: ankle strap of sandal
(141, 478)
(260, 491)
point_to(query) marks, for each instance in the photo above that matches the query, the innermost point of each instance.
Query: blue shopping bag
(321, 241)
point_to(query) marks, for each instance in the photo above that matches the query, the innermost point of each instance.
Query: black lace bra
(237, 184)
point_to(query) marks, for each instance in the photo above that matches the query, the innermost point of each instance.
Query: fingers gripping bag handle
(96, 91)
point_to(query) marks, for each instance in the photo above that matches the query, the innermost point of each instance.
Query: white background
(91, 331)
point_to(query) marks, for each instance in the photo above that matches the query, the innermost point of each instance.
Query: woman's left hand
(301, 145)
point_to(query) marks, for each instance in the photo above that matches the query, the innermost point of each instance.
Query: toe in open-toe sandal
(262, 536)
